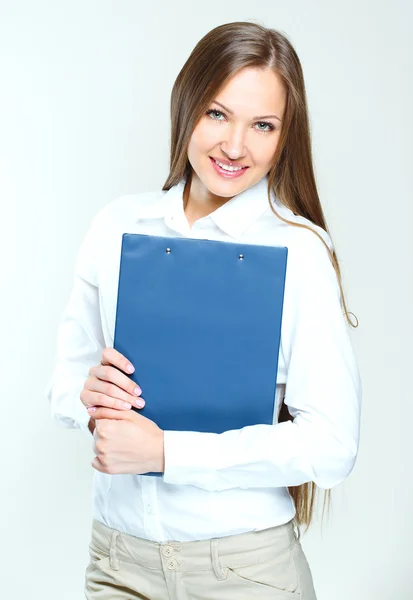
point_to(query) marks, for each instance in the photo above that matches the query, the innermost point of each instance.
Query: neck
(198, 200)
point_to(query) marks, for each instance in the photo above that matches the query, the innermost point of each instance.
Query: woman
(223, 520)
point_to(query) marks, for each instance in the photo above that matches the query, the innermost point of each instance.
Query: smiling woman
(239, 145)
(223, 521)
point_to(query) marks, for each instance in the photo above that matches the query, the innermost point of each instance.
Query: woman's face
(241, 125)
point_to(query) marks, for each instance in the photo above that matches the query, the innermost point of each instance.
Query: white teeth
(228, 168)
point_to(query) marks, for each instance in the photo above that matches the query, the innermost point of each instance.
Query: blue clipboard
(201, 322)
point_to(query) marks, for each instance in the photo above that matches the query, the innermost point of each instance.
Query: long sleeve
(80, 339)
(323, 395)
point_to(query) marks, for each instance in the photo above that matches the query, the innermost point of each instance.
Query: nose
(234, 144)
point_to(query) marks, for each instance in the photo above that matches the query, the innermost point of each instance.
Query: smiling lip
(228, 162)
(227, 174)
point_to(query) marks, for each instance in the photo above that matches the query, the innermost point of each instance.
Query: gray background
(84, 110)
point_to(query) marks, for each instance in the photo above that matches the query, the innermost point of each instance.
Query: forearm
(285, 454)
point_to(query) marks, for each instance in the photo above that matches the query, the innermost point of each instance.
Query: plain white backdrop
(84, 118)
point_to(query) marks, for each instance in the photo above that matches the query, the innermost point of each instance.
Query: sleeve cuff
(188, 454)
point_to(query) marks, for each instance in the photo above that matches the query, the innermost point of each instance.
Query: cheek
(263, 150)
(203, 138)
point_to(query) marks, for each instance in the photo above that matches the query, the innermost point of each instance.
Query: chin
(226, 187)
(228, 191)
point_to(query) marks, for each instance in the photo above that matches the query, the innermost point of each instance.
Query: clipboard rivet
(168, 250)
(241, 257)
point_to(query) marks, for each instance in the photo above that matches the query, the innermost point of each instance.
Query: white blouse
(220, 484)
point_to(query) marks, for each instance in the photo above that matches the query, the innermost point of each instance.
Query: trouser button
(172, 564)
(167, 551)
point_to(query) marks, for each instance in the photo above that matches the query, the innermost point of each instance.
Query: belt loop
(113, 561)
(220, 573)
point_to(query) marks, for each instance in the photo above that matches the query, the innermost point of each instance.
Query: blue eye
(266, 125)
(270, 126)
(209, 112)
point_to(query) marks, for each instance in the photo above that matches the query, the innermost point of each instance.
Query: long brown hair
(218, 56)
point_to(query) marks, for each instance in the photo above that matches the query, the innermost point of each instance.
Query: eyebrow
(262, 117)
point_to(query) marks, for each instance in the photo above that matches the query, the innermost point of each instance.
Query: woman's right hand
(107, 384)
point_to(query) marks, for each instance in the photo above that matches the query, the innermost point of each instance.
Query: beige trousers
(267, 564)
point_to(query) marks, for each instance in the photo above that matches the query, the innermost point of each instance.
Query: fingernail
(130, 369)
(126, 405)
(91, 409)
(137, 391)
(140, 403)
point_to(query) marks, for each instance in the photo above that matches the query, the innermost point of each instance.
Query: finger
(110, 356)
(115, 397)
(102, 412)
(91, 398)
(113, 375)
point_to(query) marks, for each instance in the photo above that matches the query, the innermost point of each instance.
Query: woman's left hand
(126, 442)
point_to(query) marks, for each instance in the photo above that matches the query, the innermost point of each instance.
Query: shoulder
(301, 234)
(99, 250)
(310, 240)
(126, 208)
(308, 243)
(310, 267)
(106, 226)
